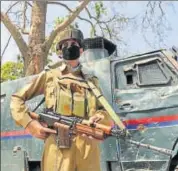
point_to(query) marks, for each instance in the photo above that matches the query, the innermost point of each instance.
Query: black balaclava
(71, 53)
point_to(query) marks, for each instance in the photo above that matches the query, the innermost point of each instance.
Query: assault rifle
(78, 125)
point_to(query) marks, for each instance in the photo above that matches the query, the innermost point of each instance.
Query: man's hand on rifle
(93, 119)
(39, 130)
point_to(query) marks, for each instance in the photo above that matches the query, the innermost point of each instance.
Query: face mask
(71, 53)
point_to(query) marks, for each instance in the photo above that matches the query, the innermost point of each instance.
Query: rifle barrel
(148, 146)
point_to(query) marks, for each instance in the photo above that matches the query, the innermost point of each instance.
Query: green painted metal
(14, 160)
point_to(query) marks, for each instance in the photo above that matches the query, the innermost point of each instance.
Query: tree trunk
(37, 56)
(35, 53)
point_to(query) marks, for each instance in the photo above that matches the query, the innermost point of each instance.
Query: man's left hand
(93, 119)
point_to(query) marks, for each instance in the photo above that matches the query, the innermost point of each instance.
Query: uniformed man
(67, 93)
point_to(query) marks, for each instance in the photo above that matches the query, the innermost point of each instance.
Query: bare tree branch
(160, 7)
(29, 4)
(12, 6)
(23, 30)
(8, 41)
(21, 18)
(64, 24)
(99, 21)
(81, 18)
(102, 31)
(109, 31)
(88, 12)
(157, 23)
(15, 34)
(61, 4)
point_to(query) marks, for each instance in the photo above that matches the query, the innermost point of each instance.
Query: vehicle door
(145, 96)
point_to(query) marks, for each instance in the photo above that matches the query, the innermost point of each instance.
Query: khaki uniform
(66, 93)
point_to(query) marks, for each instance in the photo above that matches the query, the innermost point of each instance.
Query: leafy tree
(14, 70)
(11, 71)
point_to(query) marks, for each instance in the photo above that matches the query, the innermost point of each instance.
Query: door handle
(126, 106)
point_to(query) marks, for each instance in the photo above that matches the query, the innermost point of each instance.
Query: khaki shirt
(45, 83)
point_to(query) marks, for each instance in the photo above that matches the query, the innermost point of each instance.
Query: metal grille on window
(151, 73)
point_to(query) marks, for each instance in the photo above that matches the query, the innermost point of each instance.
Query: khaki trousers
(83, 155)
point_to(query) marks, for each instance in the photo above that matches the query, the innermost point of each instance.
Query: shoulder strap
(106, 105)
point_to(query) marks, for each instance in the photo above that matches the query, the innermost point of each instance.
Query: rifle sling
(106, 105)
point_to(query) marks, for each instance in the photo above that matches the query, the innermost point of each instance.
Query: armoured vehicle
(143, 91)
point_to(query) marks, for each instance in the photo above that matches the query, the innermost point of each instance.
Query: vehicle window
(145, 73)
(130, 77)
(151, 74)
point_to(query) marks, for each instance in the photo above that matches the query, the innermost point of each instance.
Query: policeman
(67, 93)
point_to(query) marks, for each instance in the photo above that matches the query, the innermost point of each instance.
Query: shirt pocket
(64, 102)
(91, 103)
(79, 105)
(50, 96)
